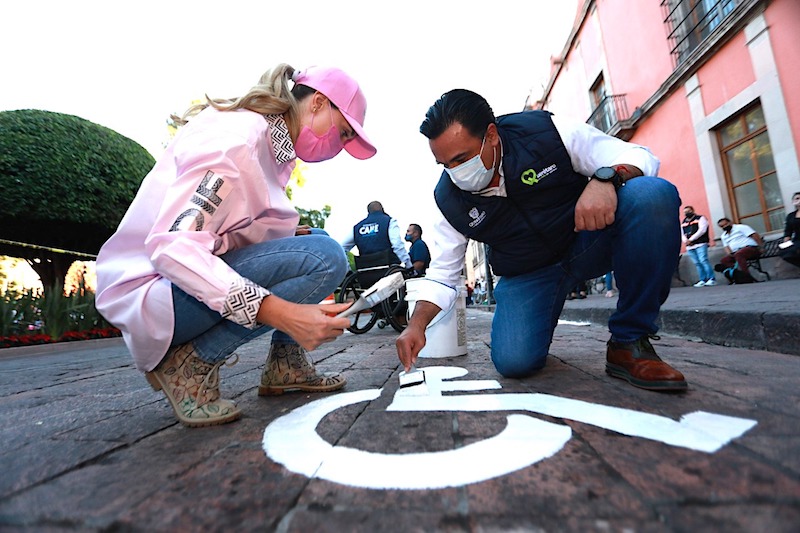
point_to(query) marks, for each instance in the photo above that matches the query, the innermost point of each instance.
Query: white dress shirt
(739, 237)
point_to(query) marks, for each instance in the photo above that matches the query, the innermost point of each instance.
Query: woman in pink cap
(207, 257)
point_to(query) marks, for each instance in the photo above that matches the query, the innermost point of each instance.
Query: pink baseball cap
(343, 91)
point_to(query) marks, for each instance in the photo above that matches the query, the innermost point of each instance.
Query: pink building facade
(710, 86)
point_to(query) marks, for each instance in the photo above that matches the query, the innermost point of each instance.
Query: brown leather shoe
(638, 364)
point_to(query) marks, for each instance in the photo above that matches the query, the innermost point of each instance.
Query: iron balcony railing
(690, 22)
(610, 111)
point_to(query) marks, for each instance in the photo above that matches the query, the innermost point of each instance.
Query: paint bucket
(446, 335)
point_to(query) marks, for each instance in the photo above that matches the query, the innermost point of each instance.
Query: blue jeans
(302, 269)
(641, 247)
(609, 281)
(699, 257)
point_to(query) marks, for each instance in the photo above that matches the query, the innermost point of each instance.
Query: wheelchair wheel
(394, 308)
(362, 321)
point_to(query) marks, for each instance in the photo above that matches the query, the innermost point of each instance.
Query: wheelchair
(369, 269)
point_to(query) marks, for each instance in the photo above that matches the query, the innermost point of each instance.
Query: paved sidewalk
(86, 445)
(764, 316)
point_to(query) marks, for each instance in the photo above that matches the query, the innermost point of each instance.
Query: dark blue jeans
(303, 269)
(641, 247)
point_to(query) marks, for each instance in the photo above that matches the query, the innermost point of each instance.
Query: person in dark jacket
(378, 235)
(696, 238)
(791, 234)
(557, 202)
(419, 253)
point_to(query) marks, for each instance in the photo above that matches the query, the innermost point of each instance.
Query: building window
(690, 22)
(753, 186)
(604, 119)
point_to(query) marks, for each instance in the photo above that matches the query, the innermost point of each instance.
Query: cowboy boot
(289, 368)
(192, 387)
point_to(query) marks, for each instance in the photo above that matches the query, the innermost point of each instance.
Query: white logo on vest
(477, 216)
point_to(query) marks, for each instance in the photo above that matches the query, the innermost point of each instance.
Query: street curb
(755, 331)
(59, 347)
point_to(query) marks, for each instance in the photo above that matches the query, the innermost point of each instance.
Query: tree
(311, 217)
(67, 183)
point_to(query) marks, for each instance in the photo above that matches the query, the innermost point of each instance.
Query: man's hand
(596, 206)
(409, 344)
(309, 324)
(412, 339)
(303, 229)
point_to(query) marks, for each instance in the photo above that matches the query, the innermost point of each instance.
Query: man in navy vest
(419, 253)
(378, 234)
(558, 203)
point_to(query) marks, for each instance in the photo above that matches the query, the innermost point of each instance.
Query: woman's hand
(309, 324)
(596, 206)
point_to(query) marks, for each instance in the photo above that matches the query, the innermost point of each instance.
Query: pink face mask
(313, 148)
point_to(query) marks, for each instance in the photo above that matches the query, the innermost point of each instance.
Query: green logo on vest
(529, 177)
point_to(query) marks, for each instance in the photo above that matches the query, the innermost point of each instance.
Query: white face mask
(471, 175)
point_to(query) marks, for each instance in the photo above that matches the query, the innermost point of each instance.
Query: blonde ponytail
(271, 96)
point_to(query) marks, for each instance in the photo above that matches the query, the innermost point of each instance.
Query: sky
(128, 65)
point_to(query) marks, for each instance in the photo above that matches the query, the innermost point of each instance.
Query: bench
(770, 250)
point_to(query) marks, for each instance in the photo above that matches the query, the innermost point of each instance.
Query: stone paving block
(747, 517)
(126, 427)
(661, 472)
(572, 485)
(46, 459)
(324, 519)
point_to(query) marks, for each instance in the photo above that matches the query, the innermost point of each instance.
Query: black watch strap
(608, 174)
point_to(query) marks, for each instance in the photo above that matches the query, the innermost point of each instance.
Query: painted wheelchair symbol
(292, 439)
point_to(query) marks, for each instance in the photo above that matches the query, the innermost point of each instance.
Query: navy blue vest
(533, 226)
(372, 234)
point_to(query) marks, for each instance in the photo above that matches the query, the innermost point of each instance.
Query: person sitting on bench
(741, 244)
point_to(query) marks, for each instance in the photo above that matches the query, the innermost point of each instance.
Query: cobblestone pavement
(87, 445)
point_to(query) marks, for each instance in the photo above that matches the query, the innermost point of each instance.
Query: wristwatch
(609, 175)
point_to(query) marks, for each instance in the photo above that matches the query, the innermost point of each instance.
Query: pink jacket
(219, 186)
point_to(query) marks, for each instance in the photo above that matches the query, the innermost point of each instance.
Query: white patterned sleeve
(243, 302)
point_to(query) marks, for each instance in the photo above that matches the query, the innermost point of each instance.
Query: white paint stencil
(292, 439)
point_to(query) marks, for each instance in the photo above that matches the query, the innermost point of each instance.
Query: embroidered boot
(192, 387)
(289, 368)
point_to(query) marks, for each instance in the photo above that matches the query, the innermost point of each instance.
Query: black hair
(469, 109)
(417, 228)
